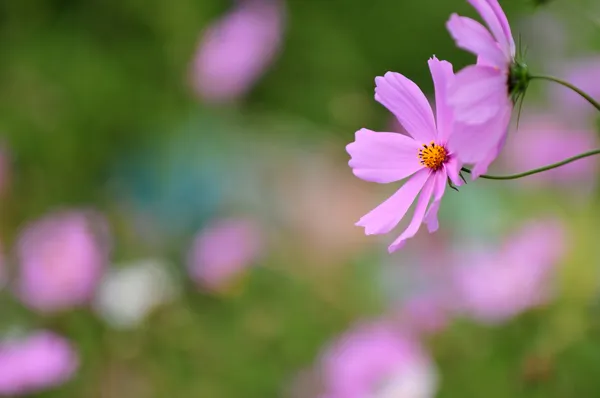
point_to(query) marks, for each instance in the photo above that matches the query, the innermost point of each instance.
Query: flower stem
(539, 170)
(582, 93)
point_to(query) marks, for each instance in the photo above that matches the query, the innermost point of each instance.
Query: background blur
(177, 214)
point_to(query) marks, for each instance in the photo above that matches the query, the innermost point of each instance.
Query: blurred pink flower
(223, 250)
(236, 50)
(495, 286)
(542, 140)
(376, 361)
(36, 362)
(426, 312)
(61, 259)
(582, 73)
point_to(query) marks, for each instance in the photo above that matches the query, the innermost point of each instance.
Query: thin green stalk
(585, 95)
(539, 170)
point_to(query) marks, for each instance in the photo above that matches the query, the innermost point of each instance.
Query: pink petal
(494, 17)
(471, 143)
(438, 191)
(443, 76)
(408, 103)
(472, 36)
(481, 144)
(504, 24)
(478, 93)
(383, 157)
(418, 216)
(387, 215)
(452, 168)
(482, 166)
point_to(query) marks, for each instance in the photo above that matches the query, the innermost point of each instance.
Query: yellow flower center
(432, 156)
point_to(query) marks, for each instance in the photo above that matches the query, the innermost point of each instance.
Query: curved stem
(539, 170)
(582, 93)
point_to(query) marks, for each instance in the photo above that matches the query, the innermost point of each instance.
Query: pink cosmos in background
(583, 74)
(542, 140)
(36, 362)
(223, 251)
(497, 285)
(480, 93)
(236, 50)
(427, 312)
(61, 258)
(376, 361)
(426, 155)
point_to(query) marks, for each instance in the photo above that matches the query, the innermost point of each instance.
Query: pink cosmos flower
(223, 251)
(376, 361)
(427, 155)
(237, 49)
(495, 286)
(37, 362)
(61, 259)
(480, 94)
(542, 140)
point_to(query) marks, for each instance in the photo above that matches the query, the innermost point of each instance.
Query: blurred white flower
(418, 381)
(127, 295)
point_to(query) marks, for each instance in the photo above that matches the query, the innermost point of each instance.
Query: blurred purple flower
(223, 250)
(425, 313)
(236, 49)
(39, 361)
(61, 259)
(582, 73)
(376, 361)
(495, 286)
(543, 140)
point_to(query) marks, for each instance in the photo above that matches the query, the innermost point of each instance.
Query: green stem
(585, 95)
(539, 170)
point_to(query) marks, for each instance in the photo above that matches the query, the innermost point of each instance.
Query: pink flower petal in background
(582, 73)
(223, 250)
(237, 49)
(61, 260)
(497, 285)
(377, 361)
(542, 140)
(425, 313)
(37, 362)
